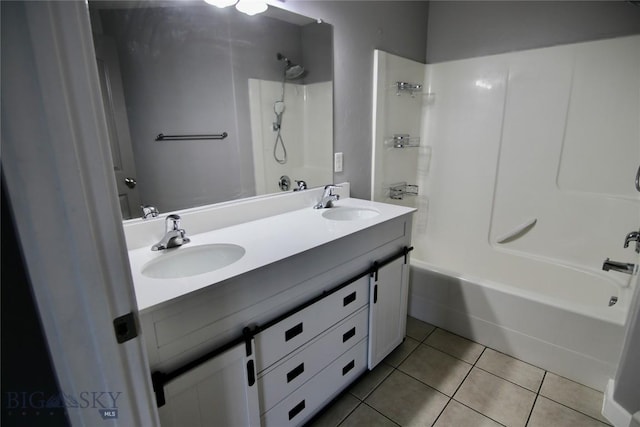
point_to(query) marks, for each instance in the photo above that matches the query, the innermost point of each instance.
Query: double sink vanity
(272, 308)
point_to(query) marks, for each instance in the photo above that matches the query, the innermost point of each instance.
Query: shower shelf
(403, 141)
(410, 88)
(401, 189)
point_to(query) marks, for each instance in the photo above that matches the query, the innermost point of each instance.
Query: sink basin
(341, 213)
(189, 261)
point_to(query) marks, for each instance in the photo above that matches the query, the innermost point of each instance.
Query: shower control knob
(634, 236)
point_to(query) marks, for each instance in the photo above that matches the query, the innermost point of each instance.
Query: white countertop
(265, 241)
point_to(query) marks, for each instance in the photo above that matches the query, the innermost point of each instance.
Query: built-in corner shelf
(403, 141)
(406, 87)
(400, 190)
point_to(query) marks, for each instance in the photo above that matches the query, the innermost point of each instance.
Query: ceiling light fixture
(221, 3)
(251, 7)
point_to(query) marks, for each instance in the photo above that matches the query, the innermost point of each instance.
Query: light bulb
(251, 7)
(221, 3)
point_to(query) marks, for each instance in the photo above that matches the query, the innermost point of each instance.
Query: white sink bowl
(343, 213)
(188, 261)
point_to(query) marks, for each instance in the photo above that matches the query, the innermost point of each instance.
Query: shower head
(291, 71)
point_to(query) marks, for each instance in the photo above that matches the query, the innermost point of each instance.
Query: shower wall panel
(547, 135)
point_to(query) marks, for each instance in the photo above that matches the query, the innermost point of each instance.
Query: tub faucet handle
(634, 236)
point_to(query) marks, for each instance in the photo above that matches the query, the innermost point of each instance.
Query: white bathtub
(552, 316)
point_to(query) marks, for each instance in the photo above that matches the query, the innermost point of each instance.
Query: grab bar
(517, 232)
(163, 137)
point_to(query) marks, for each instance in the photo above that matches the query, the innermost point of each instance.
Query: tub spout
(622, 267)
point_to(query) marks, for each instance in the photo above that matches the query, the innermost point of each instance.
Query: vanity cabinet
(389, 290)
(220, 392)
(316, 321)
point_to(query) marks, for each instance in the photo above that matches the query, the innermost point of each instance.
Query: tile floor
(436, 378)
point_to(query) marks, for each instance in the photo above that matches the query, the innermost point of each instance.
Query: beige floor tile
(370, 381)
(417, 329)
(514, 370)
(458, 415)
(407, 401)
(573, 395)
(549, 413)
(455, 345)
(496, 398)
(337, 412)
(366, 416)
(435, 368)
(399, 354)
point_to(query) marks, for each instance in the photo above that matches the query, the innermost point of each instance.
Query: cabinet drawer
(289, 334)
(308, 399)
(285, 377)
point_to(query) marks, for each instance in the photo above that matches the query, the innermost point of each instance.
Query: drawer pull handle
(295, 372)
(349, 299)
(349, 334)
(349, 366)
(293, 332)
(296, 410)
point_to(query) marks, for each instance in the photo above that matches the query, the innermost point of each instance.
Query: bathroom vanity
(316, 297)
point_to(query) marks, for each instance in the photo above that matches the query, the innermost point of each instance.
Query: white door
(221, 392)
(117, 125)
(387, 309)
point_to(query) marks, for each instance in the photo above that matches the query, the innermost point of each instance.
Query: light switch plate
(337, 162)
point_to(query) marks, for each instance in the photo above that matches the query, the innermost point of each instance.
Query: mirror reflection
(244, 103)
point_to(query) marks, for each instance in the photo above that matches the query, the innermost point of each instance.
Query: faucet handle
(330, 188)
(149, 211)
(634, 236)
(172, 222)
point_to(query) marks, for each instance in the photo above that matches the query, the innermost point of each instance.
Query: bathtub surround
(306, 127)
(511, 165)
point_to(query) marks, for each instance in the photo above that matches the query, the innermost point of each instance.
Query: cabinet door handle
(292, 374)
(375, 294)
(296, 410)
(349, 299)
(349, 334)
(293, 332)
(349, 366)
(251, 373)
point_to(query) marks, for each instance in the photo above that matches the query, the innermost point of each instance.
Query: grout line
(575, 410)
(509, 381)
(349, 414)
(544, 376)
(381, 413)
(531, 411)
(451, 355)
(477, 412)
(429, 334)
(442, 410)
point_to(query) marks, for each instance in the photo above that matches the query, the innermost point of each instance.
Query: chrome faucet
(622, 267)
(634, 236)
(328, 197)
(174, 236)
(149, 211)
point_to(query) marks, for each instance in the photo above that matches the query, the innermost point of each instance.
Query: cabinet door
(387, 309)
(221, 392)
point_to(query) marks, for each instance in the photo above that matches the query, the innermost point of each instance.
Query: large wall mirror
(240, 100)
